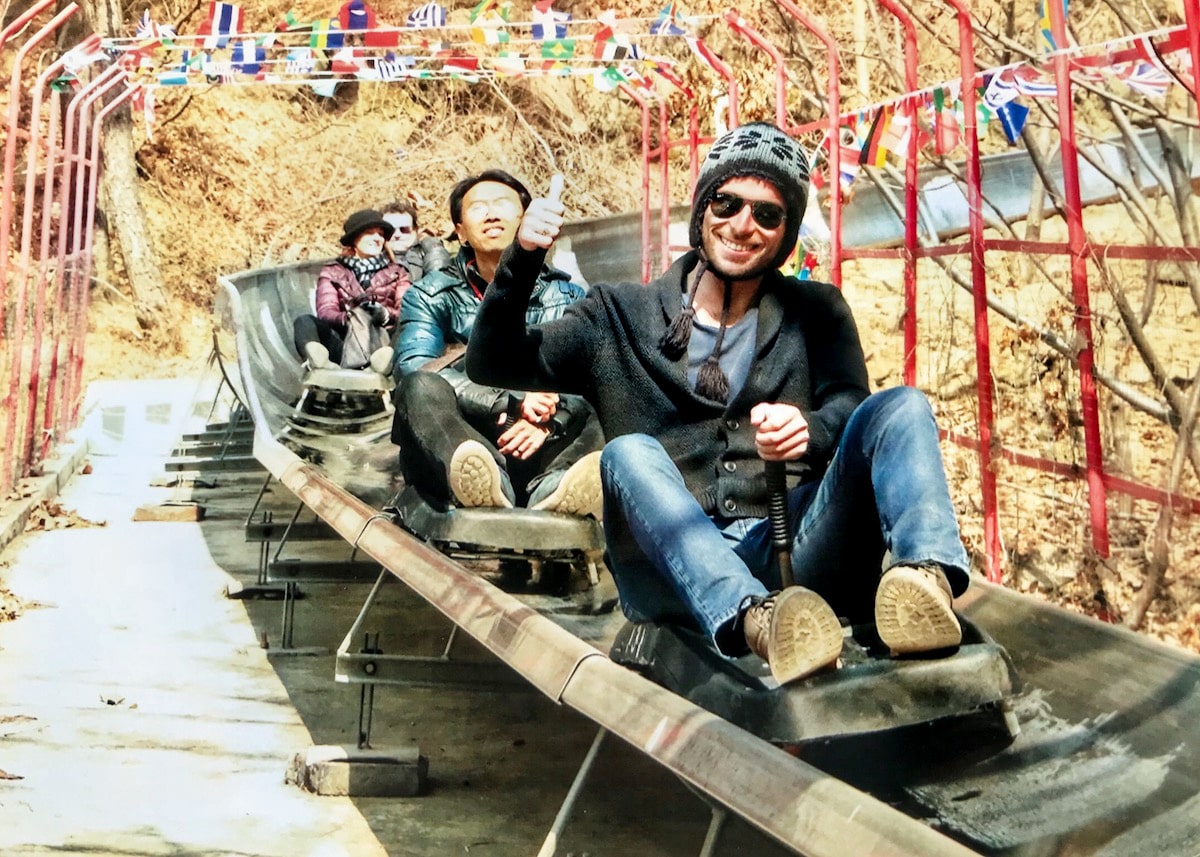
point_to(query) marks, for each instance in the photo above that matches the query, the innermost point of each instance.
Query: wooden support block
(330, 769)
(179, 512)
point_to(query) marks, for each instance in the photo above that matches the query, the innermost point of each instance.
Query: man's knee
(627, 449)
(631, 458)
(418, 390)
(899, 406)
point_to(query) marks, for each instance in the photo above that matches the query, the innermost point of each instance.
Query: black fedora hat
(360, 221)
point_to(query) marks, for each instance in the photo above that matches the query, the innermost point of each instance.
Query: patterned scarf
(364, 269)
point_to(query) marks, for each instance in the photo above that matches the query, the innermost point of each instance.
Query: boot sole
(579, 492)
(475, 477)
(805, 635)
(914, 614)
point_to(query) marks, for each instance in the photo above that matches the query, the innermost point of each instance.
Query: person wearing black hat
(705, 374)
(357, 301)
(467, 444)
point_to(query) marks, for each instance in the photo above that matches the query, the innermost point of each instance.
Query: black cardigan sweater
(606, 349)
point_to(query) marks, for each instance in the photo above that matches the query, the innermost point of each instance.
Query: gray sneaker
(475, 477)
(578, 492)
(795, 631)
(914, 610)
(317, 354)
(381, 360)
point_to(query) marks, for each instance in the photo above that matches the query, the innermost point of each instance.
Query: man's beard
(755, 273)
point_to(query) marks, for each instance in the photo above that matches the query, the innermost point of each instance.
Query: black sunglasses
(768, 215)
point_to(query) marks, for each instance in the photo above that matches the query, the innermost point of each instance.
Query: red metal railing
(16, 442)
(44, 284)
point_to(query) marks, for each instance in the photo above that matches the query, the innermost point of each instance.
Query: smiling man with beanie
(702, 376)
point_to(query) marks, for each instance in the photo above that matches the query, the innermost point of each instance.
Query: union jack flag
(1148, 79)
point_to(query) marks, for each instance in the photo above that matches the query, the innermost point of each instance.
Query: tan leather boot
(794, 631)
(914, 610)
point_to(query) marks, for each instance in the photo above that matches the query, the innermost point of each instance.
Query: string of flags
(1148, 65)
(356, 44)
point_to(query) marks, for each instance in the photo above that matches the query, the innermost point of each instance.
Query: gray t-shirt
(737, 351)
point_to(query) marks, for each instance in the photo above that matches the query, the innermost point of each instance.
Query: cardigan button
(729, 466)
(732, 425)
(730, 506)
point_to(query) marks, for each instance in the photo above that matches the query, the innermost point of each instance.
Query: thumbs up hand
(543, 218)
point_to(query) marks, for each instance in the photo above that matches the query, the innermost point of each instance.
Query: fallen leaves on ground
(10, 605)
(49, 515)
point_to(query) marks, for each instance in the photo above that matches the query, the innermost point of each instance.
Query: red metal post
(740, 26)
(983, 356)
(24, 18)
(40, 307)
(664, 191)
(1077, 242)
(645, 106)
(18, 442)
(693, 147)
(1191, 15)
(911, 56)
(835, 155)
(722, 68)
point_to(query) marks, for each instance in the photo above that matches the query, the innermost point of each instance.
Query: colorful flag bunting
(1012, 116)
(491, 9)
(548, 23)
(85, 53)
(347, 61)
(1148, 79)
(607, 79)
(1045, 26)
(945, 122)
(667, 22)
(489, 34)
(223, 22)
(509, 64)
(1034, 82)
(300, 61)
(430, 15)
(326, 35)
(895, 136)
(356, 15)
(247, 56)
(148, 30)
(393, 67)
(874, 153)
(1000, 89)
(558, 49)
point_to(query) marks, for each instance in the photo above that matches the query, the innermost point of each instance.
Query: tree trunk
(119, 188)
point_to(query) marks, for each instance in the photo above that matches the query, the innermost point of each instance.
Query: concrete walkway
(138, 713)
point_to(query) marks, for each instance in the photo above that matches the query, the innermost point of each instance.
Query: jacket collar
(770, 322)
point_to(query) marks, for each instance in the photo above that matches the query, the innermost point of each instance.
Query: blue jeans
(884, 490)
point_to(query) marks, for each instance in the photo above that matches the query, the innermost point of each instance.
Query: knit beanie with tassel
(762, 151)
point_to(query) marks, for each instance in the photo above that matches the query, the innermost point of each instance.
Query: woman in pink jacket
(358, 301)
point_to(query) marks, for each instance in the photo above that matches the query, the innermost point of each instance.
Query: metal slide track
(1107, 762)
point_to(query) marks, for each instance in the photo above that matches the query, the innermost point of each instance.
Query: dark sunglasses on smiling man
(768, 215)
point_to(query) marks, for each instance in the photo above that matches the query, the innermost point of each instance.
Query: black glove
(377, 311)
